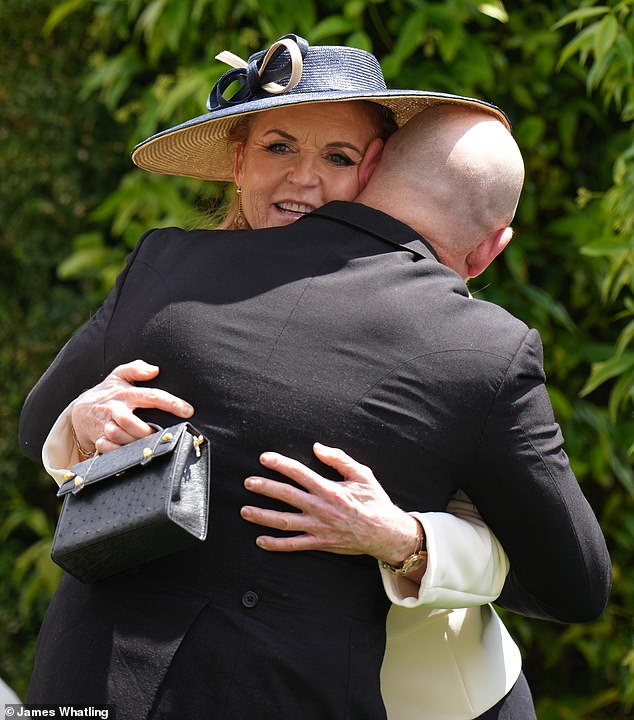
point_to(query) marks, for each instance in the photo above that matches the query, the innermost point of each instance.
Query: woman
(312, 169)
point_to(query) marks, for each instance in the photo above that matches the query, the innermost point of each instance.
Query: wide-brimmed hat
(290, 72)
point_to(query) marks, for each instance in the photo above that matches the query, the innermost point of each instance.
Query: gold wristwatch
(414, 561)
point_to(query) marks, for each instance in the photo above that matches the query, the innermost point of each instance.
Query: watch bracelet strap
(417, 558)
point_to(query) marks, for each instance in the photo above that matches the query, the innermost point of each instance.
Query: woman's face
(298, 158)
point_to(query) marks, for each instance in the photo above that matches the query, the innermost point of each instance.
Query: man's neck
(409, 214)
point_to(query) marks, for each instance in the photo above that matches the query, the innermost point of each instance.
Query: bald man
(455, 176)
(344, 328)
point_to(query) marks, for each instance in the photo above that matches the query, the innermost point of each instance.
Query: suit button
(250, 599)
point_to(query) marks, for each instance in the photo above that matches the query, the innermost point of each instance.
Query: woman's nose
(304, 172)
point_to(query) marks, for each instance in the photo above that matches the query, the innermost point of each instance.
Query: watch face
(413, 563)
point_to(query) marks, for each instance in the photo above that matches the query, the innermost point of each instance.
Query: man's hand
(354, 516)
(103, 417)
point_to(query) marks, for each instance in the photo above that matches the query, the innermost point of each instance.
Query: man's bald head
(454, 174)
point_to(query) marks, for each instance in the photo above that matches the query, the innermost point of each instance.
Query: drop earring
(239, 222)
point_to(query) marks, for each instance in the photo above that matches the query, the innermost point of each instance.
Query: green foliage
(606, 47)
(84, 80)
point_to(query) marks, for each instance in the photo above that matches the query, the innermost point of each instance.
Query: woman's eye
(278, 147)
(337, 158)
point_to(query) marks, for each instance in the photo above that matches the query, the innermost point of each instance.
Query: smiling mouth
(294, 208)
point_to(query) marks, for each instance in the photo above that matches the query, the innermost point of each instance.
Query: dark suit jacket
(341, 328)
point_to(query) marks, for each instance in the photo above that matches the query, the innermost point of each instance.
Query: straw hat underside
(201, 147)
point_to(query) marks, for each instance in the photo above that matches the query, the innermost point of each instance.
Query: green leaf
(410, 35)
(494, 10)
(626, 337)
(61, 12)
(354, 9)
(531, 129)
(332, 26)
(77, 263)
(15, 519)
(562, 406)
(190, 88)
(113, 77)
(581, 15)
(582, 44)
(602, 372)
(605, 36)
(621, 394)
(361, 40)
(553, 308)
(613, 245)
(149, 18)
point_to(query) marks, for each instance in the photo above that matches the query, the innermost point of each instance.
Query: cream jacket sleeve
(448, 655)
(466, 564)
(58, 451)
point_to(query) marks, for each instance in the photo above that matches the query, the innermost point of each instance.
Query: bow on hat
(257, 75)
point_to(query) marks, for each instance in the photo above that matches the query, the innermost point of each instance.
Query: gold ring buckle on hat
(256, 76)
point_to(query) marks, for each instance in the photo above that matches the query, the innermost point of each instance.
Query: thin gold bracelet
(83, 455)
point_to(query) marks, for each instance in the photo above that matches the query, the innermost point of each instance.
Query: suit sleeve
(79, 365)
(528, 495)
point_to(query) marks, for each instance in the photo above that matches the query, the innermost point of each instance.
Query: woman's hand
(103, 417)
(354, 516)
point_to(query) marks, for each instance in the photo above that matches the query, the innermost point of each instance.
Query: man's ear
(483, 254)
(370, 161)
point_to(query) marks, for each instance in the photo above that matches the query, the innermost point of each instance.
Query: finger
(103, 445)
(294, 470)
(341, 462)
(288, 544)
(115, 434)
(288, 522)
(127, 422)
(136, 371)
(297, 543)
(141, 371)
(139, 397)
(279, 491)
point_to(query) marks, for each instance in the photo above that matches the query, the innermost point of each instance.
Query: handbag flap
(139, 452)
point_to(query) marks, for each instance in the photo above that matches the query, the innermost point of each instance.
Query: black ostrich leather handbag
(134, 504)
